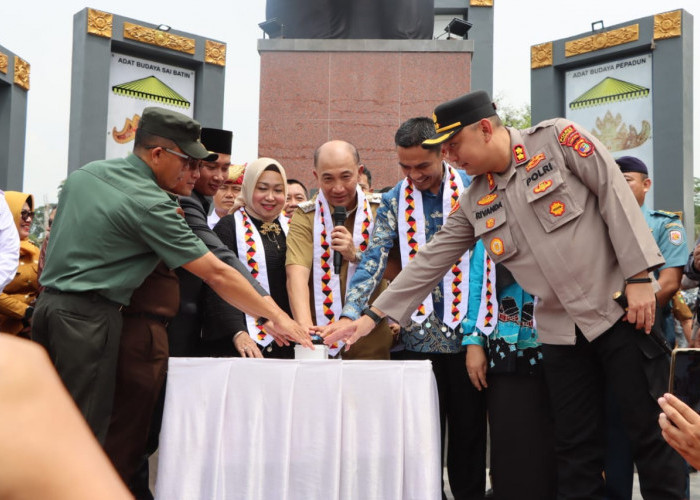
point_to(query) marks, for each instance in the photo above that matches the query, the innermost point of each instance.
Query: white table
(254, 429)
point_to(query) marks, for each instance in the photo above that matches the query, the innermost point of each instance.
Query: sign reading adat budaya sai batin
(136, 83)
(614, 101)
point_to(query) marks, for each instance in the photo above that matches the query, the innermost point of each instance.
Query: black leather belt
(91, 295)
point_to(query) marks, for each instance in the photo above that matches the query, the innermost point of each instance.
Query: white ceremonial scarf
(412, 238)
(327, 298)
(251, 253)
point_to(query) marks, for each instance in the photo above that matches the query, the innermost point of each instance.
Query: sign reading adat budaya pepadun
(135, 83)
(614, 101)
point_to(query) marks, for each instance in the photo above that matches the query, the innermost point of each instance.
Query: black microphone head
(339, 216)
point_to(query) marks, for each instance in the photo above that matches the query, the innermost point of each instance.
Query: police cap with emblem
(179, 128)
(451, 116)
(632, 164)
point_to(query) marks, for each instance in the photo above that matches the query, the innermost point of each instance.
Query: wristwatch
(373, 315)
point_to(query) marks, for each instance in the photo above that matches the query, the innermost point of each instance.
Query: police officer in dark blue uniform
(669, 233)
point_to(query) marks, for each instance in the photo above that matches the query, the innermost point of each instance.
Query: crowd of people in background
(178, 251)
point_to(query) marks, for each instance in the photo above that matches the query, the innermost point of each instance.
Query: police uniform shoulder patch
(307, 206)
(673, 224)
(374, 197)
(675, 236)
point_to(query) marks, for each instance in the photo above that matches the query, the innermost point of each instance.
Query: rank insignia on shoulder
(374, 197)
(487, 200)
(534, 161)
(675, 237)
(519, 153)
(672, 215)
(557, 208)
(492, 181)
(307, 206)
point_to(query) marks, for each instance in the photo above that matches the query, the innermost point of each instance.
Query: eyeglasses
(26, 214)
(192, 163)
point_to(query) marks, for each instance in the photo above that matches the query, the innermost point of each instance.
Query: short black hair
(296, 181)
(368, 173)
(414, 131)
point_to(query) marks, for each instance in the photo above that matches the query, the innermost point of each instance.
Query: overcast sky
(42, 34)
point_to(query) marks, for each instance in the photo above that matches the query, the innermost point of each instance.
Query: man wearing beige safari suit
(550, 204)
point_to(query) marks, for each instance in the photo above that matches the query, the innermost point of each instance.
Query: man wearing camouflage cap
(114, 223)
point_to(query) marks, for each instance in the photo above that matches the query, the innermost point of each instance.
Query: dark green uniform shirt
(113, 224)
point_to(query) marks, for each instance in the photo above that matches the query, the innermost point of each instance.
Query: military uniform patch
(557, 208)
(519, 153)
(487, 200)
(583, 147)
(492, 181)
(497, 246)
(542, 187)
(374, 197)
(534, 161)
(566, 133)
(675, 237)
(307, 206)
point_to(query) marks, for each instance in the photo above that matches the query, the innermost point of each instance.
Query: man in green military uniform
(313, 239)
(114, 223)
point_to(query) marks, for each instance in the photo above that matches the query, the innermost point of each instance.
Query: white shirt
(9, 244)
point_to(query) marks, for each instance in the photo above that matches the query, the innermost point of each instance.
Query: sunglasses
(26, 214)
(192, 163)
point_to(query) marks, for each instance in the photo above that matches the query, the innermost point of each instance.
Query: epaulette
(307, 206)
(671, 215)
(374, 197)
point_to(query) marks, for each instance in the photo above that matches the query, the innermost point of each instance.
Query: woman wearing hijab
(258, 235)
(18, 296)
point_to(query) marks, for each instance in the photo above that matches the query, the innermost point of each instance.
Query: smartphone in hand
(685, 377)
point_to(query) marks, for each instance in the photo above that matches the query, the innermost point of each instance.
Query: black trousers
(81, 333)
(463, 415)
(523, 462)
(629, 363)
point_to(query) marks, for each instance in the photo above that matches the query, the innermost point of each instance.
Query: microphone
(339, 216)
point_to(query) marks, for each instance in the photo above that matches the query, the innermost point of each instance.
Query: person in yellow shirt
(17, 298)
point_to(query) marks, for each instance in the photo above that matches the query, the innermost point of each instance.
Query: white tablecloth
(284, 430)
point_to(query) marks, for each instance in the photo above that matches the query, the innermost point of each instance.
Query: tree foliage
(519, 117)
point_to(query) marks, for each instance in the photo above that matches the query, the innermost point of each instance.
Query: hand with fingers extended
(476, 366)
(680, 427)
(345, 330)
(246, 346)
(285, 330)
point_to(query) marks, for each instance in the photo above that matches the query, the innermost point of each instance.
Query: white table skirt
(254, 429)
